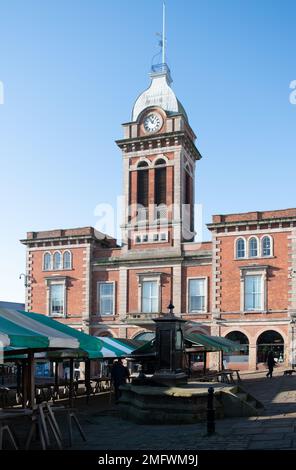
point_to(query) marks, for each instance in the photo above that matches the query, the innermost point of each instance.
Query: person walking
(119, 375)
(270, 364)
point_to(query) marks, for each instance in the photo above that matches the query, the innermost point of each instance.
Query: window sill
(246, 312)
(57, 315)
(252, 258)
(56, 270)
(105, 315)
(197, 312)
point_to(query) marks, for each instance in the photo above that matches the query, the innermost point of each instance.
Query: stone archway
(270, 340)
(240, 358)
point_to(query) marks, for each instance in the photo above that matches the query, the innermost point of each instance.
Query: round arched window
(270, 340)
(242, 354)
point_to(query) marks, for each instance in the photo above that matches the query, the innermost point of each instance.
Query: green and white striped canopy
(20, 330)
(26, 330)
(113, 347)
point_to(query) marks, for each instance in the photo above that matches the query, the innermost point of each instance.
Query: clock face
(152, 122)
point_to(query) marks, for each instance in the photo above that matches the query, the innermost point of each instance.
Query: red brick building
(242, 284)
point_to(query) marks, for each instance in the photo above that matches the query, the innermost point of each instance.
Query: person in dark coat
(119, 375)
(270, 364)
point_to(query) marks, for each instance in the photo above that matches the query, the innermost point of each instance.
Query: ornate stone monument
(170, 349)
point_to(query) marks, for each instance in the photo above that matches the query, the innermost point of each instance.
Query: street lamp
(26, 279)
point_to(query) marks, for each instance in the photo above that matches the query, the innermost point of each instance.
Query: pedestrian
(119, 375)
(270, 364)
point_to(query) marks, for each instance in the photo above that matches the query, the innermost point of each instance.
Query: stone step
(253, 403)
(242, 396)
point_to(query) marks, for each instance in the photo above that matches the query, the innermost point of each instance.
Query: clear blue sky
(72, 70)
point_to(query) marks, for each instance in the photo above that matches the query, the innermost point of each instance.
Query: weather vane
(162, 41)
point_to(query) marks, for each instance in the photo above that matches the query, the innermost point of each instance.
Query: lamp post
(26, 279)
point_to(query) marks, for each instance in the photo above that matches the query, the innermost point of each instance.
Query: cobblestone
(275, 429)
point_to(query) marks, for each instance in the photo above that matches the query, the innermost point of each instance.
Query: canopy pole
(18, 378)
(56, 380)
(205, 362)
(87, 379)
(31, 379)
(24, 384)
(71, 388)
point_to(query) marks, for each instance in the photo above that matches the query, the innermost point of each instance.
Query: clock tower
(159, 157)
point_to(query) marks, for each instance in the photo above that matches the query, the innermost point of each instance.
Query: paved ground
(275, 429)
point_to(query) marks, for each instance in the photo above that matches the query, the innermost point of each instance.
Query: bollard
(210, 412)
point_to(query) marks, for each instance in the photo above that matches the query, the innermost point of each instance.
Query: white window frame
(258, 247)
(235, 248)
(254, 271)
(271, 246)
(206, 307)
(145, 277)
(99, 283)
(56, 281)
(51, 261)
(71, 260)
(61, 264)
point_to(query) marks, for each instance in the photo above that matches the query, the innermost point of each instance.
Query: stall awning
(211, 343)
(20, 330)
(203, 342)
(118, 347)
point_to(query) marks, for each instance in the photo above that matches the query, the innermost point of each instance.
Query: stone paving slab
(275, 429)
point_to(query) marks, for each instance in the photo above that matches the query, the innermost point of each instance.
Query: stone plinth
(167, 405)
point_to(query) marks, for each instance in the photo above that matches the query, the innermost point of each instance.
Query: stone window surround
(259, 242)
(49, 281)
(151, 164)
(149, 276)
(259, 270)
(206, 309)
(98, 298)
(62, 258)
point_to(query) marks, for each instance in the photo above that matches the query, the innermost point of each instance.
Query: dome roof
(159, 94)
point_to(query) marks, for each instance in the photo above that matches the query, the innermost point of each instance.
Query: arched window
(145, 336)
(67, 260)
(57, 261)
(266, 246)
(160, 186)
(270, 341)
(142, 164)
(242, 355)
(143, 185)
(160, 161)
(253, 247)
(47, 262)
(240, 248)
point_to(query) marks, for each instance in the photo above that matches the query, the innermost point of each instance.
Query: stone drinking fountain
(167, 397)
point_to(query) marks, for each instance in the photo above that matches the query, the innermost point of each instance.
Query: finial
(171, 309)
